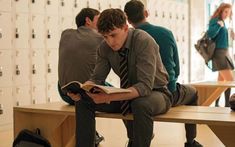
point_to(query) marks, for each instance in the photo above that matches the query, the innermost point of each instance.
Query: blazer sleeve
(214, 28)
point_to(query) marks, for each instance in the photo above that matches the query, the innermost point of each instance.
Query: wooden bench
(57, 121)
(210, 91)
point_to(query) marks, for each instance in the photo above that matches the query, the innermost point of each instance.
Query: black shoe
(98, 139)
(194, 144)
(152, 136)
(216, 105)
(129, 144)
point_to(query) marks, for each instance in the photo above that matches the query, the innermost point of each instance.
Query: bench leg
(58, 129)
(207, 95)
(68, 131)
(225, 134)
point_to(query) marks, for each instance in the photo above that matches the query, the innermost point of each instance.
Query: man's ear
(146, 13)
(126, 27)
(88, 21)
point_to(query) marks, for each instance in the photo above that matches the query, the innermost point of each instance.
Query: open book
(75, 86)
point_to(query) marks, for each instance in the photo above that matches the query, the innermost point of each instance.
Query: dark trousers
(141, 128)
(186, 95)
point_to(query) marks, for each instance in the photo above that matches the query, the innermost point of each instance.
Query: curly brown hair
(110, 19)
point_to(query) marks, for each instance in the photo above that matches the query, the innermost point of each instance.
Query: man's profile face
(117, 37)
(94, 22)
(226, 13)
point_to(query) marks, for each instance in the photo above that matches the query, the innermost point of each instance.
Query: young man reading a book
(78, 52)
(134, 57)
(182, 94)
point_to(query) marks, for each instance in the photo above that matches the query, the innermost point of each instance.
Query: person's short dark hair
(85, 12)
(134, 10)
(110, 19)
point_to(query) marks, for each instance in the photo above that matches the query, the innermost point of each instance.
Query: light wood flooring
(166, 135)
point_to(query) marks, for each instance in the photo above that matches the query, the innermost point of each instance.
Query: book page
(74, 87)
(66, 85)
(106, 89)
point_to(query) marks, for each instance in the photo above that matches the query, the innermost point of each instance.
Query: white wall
(197, 27)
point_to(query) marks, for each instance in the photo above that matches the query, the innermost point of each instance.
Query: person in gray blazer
(144, 75)
(78, 52)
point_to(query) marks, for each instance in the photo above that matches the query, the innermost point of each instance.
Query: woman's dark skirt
(221, 60)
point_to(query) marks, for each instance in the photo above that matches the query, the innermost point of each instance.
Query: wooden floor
(166, 135)
(6, 138)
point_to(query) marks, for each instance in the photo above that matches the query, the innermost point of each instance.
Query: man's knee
(192, 95)
(152, 105)
(191, 89)
(140, 107)
(196, 98)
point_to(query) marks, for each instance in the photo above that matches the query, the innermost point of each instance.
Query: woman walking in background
(221, 60)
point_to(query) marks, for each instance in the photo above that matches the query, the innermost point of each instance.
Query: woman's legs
(225, 75)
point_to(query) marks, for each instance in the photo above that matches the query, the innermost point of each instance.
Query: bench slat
(181, 114)
(202, 109)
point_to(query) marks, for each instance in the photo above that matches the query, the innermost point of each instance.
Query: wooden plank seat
(57, 120)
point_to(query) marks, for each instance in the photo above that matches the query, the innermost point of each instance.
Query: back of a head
(134, 10)
(85, 12)
(110, 19)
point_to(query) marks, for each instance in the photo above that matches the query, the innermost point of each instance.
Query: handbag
(205, 47)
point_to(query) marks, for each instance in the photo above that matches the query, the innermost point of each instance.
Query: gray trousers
(186, 95)
(143, 108)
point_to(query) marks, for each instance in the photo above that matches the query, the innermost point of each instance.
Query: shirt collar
(127, 44)
(87, 29)
(142, 25)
